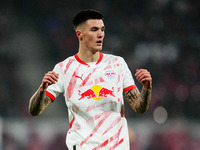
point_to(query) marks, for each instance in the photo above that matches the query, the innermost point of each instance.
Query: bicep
(47, 101)
(131, 97)
(38, 103)
(132, 94)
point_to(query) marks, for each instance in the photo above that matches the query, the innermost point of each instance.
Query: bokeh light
(160, 115)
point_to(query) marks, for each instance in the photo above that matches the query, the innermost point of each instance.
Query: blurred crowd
(160, 35)
(167, 137)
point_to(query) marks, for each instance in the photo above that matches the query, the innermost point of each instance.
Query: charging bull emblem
(96, 93)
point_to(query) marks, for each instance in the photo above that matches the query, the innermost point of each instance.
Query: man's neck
(89, 56)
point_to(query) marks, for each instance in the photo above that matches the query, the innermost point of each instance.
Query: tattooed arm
(140, 101)
(39, 101)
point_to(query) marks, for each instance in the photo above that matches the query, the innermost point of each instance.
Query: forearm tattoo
(131, 96)
(138, 101)
(38, 102)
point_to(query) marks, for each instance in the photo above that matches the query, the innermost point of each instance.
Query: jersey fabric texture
(94, 96)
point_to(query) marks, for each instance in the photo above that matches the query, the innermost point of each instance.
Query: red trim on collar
(82, 62)
(79, 60)
(100, 58)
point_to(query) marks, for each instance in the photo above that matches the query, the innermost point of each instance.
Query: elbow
(34, 113)
(141, 111)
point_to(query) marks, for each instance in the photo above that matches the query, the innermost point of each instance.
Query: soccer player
(94, 85)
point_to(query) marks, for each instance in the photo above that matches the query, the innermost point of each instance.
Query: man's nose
(100, 34)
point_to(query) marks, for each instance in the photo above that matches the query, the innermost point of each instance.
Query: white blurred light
(156, 52)
(160, 115)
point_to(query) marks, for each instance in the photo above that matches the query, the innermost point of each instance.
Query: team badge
(110, 74)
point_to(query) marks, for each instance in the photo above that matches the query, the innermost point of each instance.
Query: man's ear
(79, 34)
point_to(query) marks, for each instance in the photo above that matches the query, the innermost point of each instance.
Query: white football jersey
(94, 96)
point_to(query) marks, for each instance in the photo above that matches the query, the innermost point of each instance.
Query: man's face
(92, 34)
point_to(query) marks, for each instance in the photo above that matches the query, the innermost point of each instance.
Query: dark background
(162, 36)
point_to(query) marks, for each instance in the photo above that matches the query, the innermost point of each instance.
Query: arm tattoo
(131, 96)
(38, 102)
(138, 101)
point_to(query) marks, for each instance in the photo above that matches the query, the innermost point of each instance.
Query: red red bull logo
(96, 92)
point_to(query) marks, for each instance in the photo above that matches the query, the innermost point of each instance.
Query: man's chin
(97, 50)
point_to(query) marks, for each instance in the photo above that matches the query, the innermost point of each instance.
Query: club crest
(110, 74)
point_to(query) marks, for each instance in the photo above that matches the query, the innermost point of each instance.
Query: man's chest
(94, 83)
(83, 76)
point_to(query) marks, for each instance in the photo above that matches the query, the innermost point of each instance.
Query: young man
(94, 85)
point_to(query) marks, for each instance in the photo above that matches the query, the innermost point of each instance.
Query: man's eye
(94, 29)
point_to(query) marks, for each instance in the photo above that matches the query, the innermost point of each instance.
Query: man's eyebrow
(98, 27)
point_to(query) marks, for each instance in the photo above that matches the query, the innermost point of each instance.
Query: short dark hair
(84, 15)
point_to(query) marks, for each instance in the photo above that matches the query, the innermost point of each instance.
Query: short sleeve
(55, 89)
(128, 81)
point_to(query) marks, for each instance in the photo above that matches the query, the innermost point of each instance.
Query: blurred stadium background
(160, 35)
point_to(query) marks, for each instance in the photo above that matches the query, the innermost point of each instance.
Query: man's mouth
(99, 43)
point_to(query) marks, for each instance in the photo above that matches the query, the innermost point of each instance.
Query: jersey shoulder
(65, 64)
(113, 58)
(66, 61)
(70, 58)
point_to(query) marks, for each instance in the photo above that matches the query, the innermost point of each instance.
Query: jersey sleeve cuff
(50, 95)
(129, 88)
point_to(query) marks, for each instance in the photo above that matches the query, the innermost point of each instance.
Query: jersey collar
(82, 62)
